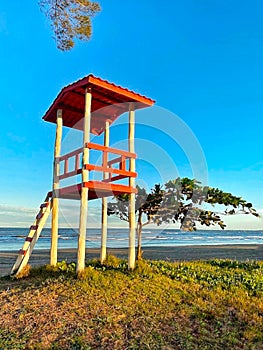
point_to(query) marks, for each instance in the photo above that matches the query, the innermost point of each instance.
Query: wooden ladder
(33, 235)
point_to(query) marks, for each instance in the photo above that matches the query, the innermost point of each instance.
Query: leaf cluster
(181, 201)
(216, 196)
(70, 20)
(145, 203)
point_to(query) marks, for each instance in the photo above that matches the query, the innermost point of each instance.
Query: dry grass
(198, 305)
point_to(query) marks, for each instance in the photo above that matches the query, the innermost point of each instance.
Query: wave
(117, 239)
(12, 239)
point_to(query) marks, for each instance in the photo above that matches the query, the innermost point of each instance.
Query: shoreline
(240, 252)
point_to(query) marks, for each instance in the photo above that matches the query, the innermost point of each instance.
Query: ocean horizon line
(127, 228)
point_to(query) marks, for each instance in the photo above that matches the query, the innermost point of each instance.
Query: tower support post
(104, 217)
(84, 190)
(55, 200)
(132, 219)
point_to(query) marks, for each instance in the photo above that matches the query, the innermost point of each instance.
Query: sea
(13, 238)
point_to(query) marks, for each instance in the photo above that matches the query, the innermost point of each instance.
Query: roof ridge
(118, 86)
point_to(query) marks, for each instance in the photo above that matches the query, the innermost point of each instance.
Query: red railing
(110, 174)
(65, 173)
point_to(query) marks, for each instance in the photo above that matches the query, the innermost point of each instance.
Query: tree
(70, 20)
(146, 205)
(180, 201)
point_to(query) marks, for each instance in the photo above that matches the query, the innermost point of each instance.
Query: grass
(215, 304)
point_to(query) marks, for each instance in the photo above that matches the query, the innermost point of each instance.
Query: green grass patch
(215, 304)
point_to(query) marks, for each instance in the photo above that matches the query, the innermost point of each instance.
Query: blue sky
(200, 60)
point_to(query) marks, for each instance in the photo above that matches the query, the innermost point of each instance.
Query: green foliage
(198, 305)
(214, 196)
(249, 265)
(203, 274)
(111, 262)
(64, 266)
(147, 204)
(144, 269)
(70, 20)
(181, 201)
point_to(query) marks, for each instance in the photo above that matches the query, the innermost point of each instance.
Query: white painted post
(104, 217)
(84, 190)
(55, 200)
(132, 219)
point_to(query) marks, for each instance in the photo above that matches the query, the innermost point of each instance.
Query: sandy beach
(178, 253)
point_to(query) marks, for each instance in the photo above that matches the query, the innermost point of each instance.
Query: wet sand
(179, 253)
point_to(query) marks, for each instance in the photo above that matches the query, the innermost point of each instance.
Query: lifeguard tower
(90, 105)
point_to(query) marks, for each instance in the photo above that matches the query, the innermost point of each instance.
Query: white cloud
(15, 216)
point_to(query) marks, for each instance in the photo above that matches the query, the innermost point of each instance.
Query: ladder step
(22, 252)
(33, 235)
(39, 216)
(44, 205)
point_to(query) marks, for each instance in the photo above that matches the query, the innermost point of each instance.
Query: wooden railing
(112, 174)
(65, 173)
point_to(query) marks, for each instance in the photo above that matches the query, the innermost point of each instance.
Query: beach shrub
(224, 273)
(24, 272)
(144, 269)
(64, 266)
(227, 263)
(112, 261)
(90, 273)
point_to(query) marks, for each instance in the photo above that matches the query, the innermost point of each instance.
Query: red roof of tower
(109, 101)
